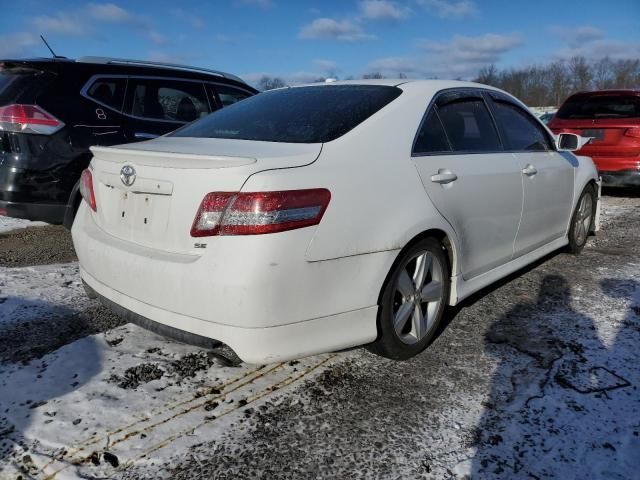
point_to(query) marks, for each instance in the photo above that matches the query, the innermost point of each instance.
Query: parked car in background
(314, 218)
(53, 110)
(546, 117)
(611, 118)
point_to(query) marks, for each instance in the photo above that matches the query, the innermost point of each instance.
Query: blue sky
(300, 40)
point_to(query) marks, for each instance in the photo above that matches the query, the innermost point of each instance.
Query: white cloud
(109, 12)
(461, 57)
(449, 8)
(192, 19)
(383, 10)
(84, 22)
(577, 36)
(326, 66)
(330, 29)
(597, 49)
(255, 3)
(17, 44)
(62, 23)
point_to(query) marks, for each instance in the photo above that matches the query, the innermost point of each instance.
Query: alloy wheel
(417, 297)
(582, 222)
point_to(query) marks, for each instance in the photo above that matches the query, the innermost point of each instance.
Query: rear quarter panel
(377, 199)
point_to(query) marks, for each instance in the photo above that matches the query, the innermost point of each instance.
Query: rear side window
(469, 126)
(229, 96)
(431, 137)
(313, 114)
(519, 131)
(108, 91)
(600, 106)
(168, 100)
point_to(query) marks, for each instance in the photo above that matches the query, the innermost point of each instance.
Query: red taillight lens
(28, 119)
(254, 213)
(86, 189)
(633, 132)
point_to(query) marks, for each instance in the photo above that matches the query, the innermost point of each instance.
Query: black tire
(404, 345)
(582, 221)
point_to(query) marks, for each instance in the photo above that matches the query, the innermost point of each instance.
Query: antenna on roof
(50, 49)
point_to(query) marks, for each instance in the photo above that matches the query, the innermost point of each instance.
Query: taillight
(86, 189)
(633, 132)
(28, 119)
(254, 213)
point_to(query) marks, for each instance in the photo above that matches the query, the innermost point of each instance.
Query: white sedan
(316, 218)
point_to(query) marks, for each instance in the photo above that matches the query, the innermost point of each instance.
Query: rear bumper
(624, 178)
(252, 345)
(44, 212)
(258, 293)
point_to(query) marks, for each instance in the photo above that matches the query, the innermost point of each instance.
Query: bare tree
(581, 73)
(488, 75)
(603, 73)
(626, 73)
(551, 84)
(267, 82)
(373, 75)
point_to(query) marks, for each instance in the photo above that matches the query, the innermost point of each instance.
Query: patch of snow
(9, 223)
(33, 292)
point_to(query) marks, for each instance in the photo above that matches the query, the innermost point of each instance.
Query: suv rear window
(314, 114)
(600, 106)
(17, 82)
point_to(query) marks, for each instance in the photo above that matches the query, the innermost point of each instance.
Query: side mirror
(569, 142)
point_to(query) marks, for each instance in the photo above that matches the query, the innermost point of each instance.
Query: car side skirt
(461, 289)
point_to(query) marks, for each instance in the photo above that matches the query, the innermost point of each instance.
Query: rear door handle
(145, 135)
(443, 177)
(529, 170)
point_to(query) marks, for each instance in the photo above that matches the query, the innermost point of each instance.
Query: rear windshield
(15, 83)
(314, 114)
(600, 106)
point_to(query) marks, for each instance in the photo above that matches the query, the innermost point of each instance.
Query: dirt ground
(534, 377)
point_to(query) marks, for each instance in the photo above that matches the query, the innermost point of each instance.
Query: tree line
(544, 85)
(536, 85)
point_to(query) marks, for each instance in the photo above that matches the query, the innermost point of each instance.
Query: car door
(157, 105)
(547, 176)
(469, 178)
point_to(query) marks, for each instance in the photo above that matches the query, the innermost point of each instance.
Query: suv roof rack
(146, 63)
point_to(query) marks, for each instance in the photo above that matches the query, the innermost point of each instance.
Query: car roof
(415, 83)
(128, 65)
(613, 91)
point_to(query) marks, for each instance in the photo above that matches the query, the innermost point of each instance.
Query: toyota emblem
(128, 175)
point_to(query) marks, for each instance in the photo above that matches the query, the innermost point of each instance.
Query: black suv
(53, 110)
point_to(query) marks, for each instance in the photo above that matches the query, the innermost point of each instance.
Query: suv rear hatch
(171, 177)
(610, 119)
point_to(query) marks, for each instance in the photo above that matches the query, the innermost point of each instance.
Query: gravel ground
(534, 377)
(36, 246)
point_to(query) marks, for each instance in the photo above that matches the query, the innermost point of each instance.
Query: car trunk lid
(148, 193)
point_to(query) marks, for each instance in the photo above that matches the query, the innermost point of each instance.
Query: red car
(611, 118)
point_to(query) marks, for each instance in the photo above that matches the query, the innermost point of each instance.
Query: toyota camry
(315, 218)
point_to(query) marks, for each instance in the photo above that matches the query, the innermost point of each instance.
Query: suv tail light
(633, 132)
(254, 213)
(28, 119)
(86, 189)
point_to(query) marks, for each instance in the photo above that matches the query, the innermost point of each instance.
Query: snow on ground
(36, 292)
(535, 379)
(127, 391)
(9, 223)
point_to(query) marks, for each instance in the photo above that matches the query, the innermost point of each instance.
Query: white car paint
(316, 289)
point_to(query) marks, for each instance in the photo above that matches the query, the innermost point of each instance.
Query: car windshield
(600, 106)
(315, 114)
